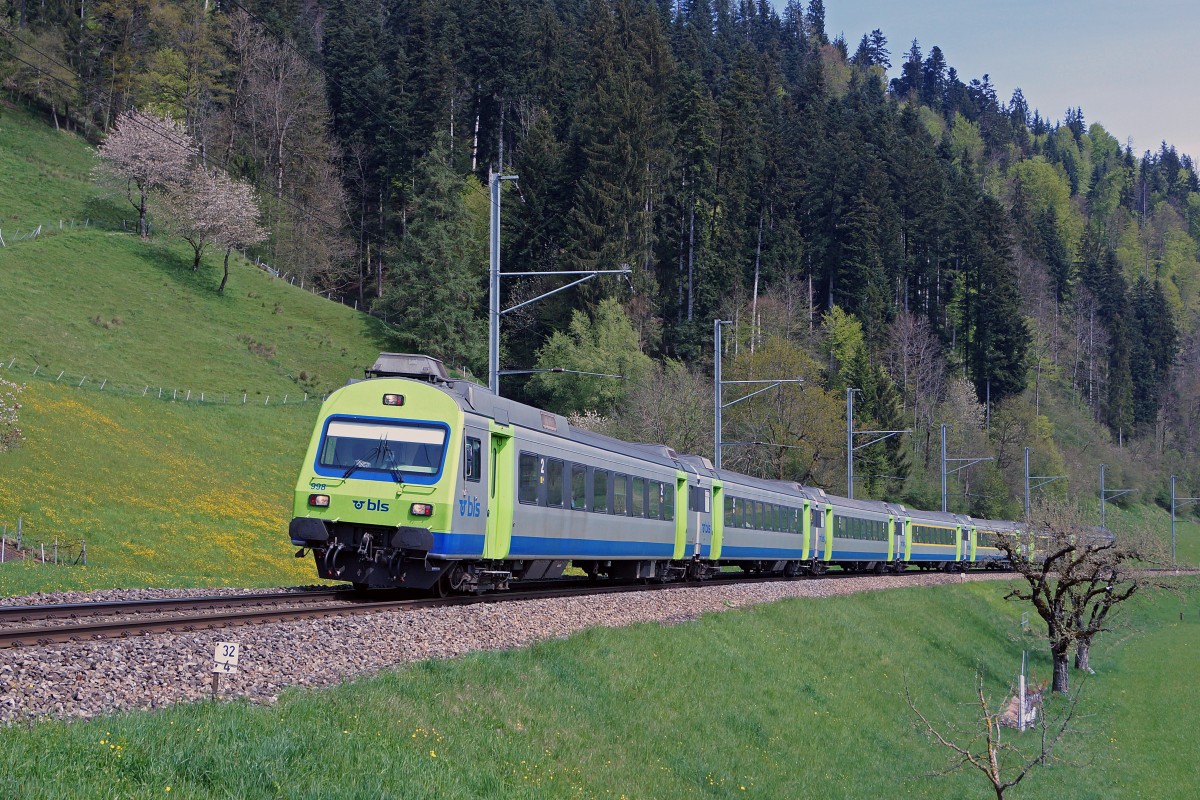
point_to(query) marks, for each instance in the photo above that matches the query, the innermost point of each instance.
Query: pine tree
(434, 289)
(999, 335)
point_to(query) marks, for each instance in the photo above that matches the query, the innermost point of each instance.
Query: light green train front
(375, 499)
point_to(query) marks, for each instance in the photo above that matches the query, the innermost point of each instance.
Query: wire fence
(17, 545)
(14, 370)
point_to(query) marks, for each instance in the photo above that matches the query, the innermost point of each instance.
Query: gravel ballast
(90, 678)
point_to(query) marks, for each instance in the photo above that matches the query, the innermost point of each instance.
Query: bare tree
(39, 72)
(1075, 577)
(670, 405)
(146, 153)
(983, 747)
(278, 117)
(914, 360)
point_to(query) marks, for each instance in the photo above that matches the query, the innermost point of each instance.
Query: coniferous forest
(957, 257)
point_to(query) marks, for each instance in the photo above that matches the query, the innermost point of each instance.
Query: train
(415, 480)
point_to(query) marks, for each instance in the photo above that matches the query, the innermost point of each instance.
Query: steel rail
(159, 605)
(353, 603)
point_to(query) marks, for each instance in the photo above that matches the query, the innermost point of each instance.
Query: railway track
(71, 622)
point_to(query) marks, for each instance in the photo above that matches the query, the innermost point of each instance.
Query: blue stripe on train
(457, 544)
(859, 555)
(765, 553)
(554, 547)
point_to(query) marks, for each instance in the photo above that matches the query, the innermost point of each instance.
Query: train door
(502, 488)
(891, 527)
(469, 524)
(716, 510)
(700, 530)
(679, 509)
(817, 525)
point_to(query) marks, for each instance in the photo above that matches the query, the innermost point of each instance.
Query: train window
(818, 518)
(668, 499)
(654, 500)
(621, 494)
(554, 481)
(528, 478)
(639, 497)
(600, 491)
(578, 486)
(384, 447)
(472, 459)
(733, 505)
(707, 501)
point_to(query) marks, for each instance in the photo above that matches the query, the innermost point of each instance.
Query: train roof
(480, 400)
(997, 525)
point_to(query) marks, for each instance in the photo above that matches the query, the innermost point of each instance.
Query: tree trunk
(225, 277)
(1061, 683)
(1082, 649)
(142, 231)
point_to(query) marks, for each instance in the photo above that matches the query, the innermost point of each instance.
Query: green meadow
(798, 699)
(103, 329)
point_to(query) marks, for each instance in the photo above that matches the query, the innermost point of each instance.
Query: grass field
(802, 698)
(164, 493)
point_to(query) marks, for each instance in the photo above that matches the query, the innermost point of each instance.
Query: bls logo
(469, 507)
(372, 505)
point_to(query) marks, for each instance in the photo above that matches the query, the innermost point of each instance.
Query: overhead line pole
(1174, 500)
(1042, 481)
(851, 433)
(1108, 494)
(962, 462)
(494, 275)
(719, 406)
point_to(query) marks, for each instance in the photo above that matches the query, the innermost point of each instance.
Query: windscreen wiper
(381, 453)
(394, 469)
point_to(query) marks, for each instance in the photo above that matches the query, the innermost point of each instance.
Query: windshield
(383, 446)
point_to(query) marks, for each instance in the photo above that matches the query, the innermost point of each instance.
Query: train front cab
(374, 500)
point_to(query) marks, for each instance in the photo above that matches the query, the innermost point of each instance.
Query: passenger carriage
(984, 551)
(937, 540)
(414, 480)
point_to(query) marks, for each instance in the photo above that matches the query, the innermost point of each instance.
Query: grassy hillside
(163, 492)
(809, 702)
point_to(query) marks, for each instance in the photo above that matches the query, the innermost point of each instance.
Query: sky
(1131, 66)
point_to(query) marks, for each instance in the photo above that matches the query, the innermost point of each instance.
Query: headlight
(318, 500)
(421, 509)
